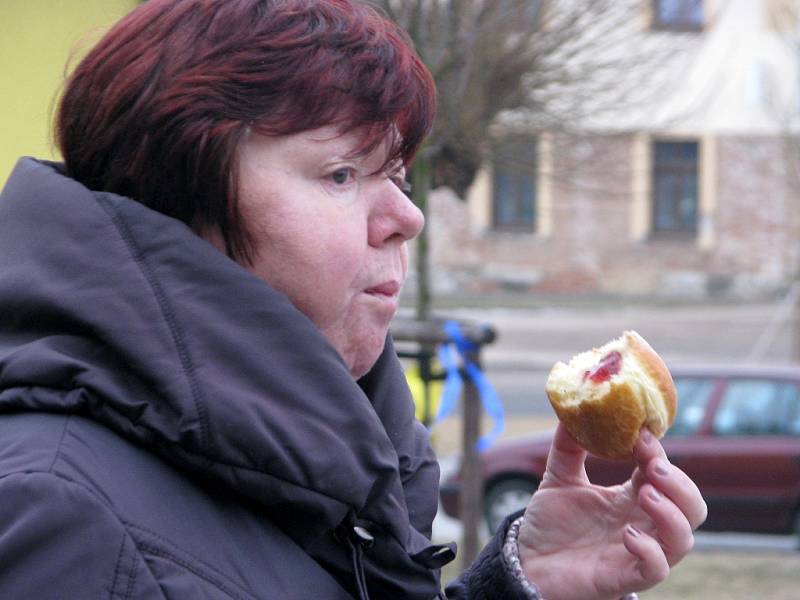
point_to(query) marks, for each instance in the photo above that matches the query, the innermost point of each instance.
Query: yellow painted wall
(37, 38)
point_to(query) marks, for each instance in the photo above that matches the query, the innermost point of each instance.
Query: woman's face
(330, 232)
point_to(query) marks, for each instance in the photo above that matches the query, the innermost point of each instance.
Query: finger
(680, 489)
(566, 461)
(673, 530)
(647, 448)
(653, 462)
(651, 564)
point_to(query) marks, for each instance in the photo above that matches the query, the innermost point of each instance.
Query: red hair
(157, 109)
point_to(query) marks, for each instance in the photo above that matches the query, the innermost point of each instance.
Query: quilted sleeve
(491, 575)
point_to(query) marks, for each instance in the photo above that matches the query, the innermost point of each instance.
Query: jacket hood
(115, 311)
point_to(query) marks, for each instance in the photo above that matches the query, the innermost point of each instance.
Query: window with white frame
(514, 170)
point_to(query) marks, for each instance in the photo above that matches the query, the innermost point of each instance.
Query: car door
(748, 469)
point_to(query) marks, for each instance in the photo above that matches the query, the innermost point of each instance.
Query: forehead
(336, 144)
(323, 147)
(331, 139)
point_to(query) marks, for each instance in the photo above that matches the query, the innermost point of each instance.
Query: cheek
(312, 256)
(324, 299)
(326, 278)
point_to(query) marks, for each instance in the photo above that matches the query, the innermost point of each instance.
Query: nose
(393, 216)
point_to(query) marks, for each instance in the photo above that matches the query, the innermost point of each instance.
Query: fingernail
(634, 531)
(661, 468)
(654, 496)
(647, 436)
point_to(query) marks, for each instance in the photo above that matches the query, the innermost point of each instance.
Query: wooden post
(472, 485)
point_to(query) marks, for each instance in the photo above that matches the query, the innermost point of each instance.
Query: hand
(580, 541)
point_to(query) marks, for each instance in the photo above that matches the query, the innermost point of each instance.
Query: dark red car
(736, 434)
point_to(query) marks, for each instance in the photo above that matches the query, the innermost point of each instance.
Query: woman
(198, 394)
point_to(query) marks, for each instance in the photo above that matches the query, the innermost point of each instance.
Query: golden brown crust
(607, 428)
(651, 362)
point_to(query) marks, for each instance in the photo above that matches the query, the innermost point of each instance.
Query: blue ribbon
(451, 391)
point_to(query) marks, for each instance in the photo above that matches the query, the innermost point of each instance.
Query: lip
(387, 289)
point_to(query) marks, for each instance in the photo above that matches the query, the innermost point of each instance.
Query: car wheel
(506, 496)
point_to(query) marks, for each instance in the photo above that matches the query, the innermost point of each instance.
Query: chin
(364, 355)
(358, 371)
(362, 365)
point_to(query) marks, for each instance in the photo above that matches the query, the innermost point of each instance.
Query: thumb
(566, 461)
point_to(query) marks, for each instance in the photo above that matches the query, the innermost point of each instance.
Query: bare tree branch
(551, 63)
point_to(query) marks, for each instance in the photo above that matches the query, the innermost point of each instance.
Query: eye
(342, 176)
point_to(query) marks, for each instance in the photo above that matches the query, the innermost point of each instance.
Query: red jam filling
(604, 370)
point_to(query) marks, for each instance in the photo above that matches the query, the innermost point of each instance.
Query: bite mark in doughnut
(606, 395)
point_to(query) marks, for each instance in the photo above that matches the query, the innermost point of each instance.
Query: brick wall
(591, 246)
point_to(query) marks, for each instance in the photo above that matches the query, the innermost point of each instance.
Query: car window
(693, 396)
(791, 399)
(758, 407)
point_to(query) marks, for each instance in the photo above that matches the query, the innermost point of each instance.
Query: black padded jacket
(172, 427)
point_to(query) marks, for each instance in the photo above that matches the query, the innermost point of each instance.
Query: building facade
(692, 194)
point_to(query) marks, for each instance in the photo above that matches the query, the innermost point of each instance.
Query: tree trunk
(420, 183)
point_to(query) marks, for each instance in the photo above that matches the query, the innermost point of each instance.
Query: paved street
(531, 340)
